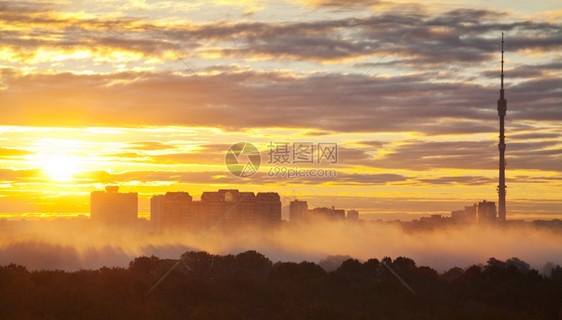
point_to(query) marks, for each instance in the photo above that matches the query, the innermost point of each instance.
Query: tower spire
(502, 108)
(501, 90)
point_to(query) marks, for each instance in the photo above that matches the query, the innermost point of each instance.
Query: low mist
(73, 246)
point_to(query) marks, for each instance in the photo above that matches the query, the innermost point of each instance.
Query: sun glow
(60, 167)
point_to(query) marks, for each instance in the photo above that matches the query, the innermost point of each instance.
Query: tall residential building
(215, 204)
(173, 211)
(176, 211)
(268, 209)
(468, 215)
(156, 211)
(486, 212)
(223, 203)
(241, 209)
(298, 210)
(458, 216)
(110, 207)
(470, 212)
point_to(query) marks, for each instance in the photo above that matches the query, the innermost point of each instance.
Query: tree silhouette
(249, 286)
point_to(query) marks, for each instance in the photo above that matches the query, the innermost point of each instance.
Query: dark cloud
(369, 179)
(462, 180)
(421, 155)
(457, 36)
(526, 71)
(375, 144)
(218, 178)
(418, 155)
(271, 99)
(536, 179)
(534, 136)
(340, 3)
(541, 161)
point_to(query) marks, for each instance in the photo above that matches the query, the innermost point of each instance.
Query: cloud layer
(407, 90)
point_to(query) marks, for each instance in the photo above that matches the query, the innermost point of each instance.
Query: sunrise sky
(91, 95)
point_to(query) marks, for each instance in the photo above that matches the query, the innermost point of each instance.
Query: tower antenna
(501, 90)
(502, 108)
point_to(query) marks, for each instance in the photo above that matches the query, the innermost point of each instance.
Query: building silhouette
(486, 212)
(268, 208)
(458, 216)
(172, 211)
(482, 212)
(238, 208)
(434, 220)
(470, 212)
(110, 207)
(468, 215)
(352, 215)
(298, 210)
(338, 213)
(176, 211)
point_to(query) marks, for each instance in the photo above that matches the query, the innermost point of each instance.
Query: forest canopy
(250, 286)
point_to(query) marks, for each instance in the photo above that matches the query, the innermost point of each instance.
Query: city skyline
(153, 104)
(178, 212)
(114, 237)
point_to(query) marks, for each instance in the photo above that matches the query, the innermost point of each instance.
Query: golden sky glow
(90, 96)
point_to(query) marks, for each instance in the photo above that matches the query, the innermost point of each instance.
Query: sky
(150, 95)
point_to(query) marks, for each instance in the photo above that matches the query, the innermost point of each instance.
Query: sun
(59, 167)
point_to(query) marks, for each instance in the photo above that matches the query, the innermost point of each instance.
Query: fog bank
(79, 247)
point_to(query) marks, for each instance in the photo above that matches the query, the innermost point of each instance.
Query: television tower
(502, 107)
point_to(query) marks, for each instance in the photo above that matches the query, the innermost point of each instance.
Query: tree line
(249, 286)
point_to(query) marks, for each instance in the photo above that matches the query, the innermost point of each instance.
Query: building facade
(234, 209)
(112, 208)
(486, 212)
(468, 215)
(298, 210)
(173, 211)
